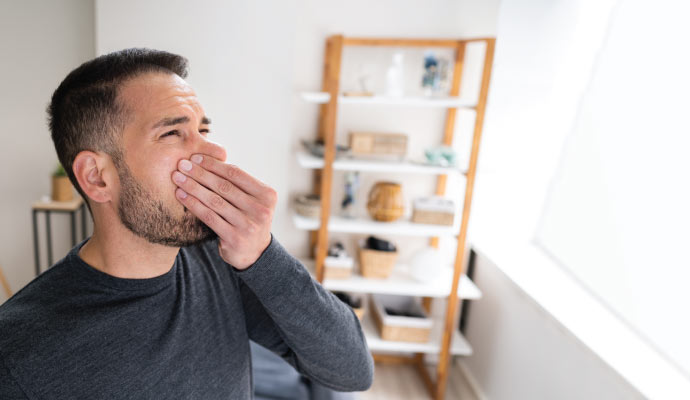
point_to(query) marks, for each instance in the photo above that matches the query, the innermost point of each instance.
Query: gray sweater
(75, 332)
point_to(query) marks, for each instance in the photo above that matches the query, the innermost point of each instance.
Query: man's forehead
(151, 95)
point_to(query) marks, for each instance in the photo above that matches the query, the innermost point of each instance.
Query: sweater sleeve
(9, 389)
(291, 314)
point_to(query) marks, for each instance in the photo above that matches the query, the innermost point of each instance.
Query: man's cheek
(163, 168)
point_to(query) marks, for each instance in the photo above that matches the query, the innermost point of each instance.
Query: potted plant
(62, 187)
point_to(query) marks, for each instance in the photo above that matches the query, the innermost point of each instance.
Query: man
(182, 268)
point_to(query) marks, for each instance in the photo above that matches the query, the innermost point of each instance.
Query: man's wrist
(270, 241)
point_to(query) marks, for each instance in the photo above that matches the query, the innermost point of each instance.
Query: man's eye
(175, 132)
(204, 131)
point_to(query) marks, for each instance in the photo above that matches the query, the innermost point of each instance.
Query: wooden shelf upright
(323, 178)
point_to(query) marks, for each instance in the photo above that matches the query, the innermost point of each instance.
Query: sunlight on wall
(617, 213)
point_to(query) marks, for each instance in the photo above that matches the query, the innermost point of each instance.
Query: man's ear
(94, 172)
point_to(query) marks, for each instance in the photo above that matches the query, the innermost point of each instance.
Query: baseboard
(469, 378)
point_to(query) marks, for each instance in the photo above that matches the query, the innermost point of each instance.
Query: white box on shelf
(338, 267)
(339, 262)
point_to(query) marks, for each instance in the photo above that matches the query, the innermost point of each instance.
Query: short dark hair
(84, 112)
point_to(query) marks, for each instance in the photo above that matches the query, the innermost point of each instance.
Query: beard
(149, 218)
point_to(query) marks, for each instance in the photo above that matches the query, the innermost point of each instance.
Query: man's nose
(205, 146)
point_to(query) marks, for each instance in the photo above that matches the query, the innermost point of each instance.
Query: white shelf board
(411, 101)
(459, 345)
(401, 283)
(307, 160)
(316, 97)
(402, 227)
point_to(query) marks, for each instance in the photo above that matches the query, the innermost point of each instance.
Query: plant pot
(62, 189)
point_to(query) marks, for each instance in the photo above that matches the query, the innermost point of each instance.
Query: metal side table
(70, 207)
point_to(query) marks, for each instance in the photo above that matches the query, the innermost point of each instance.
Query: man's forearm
(322, 332)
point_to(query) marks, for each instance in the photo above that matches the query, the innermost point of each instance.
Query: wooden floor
(403, 382)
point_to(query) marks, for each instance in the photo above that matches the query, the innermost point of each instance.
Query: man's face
(166, 123)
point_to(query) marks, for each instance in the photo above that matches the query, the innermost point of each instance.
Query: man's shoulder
(31, 305)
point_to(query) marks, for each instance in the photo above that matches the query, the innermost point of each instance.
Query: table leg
(83, 221)
(37, 260)
(49, 240)
(73, 221)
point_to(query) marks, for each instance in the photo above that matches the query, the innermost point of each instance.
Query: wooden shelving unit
(307, 160)
(401, 283)
(400, 227)
(452, 284)
(430, 102)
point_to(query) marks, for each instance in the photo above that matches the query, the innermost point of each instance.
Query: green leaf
(60, 171)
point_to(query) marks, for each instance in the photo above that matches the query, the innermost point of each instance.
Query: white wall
(522, 352)
(546, 54)
(40, 42)
(619, 191)
(248, 60)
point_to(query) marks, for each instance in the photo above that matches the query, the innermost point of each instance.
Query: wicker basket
(376, 263)
(361, 310)
(400, 328)
(378, 144)
(308, 205)
(435, 210)
(432, 217)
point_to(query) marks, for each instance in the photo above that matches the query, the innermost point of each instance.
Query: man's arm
(9, 389)
(285, 309)
(290, 313)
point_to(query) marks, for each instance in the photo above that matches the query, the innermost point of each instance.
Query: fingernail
(178, 177)
(181, 193)
(185, 165)
(196, 159)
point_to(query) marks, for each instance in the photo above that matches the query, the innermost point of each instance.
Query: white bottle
(394, 76)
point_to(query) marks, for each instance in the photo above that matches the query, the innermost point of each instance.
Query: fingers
(263, 193)
(205, 214)
(211, 208)
(221, 186)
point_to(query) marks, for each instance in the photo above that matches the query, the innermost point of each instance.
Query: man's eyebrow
(171, 121)
(178, 120)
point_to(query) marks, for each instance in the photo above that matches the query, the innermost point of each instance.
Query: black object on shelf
(337, 249)
(375, 243)
(349, 300)
(403, 313)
